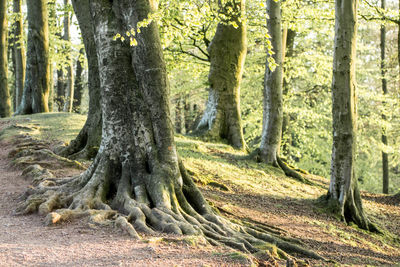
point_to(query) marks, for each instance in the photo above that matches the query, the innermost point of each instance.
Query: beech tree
(19, 57)
(37, 79)
(227, 53)
(385, 156)
(137, 170)
(78, 84)
(5, 100)
(272, 95)
(69, 76)
(87, 143)
(343, 193)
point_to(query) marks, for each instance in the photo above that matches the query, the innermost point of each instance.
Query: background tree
(385, 160)
(78, 84)
(36, 89)
(87, 143)
(5, 100)
(227, 52)
(19, 57)
(69, 75)
(343, 192)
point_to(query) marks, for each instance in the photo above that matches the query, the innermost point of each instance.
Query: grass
(46, 126)
(256, 191)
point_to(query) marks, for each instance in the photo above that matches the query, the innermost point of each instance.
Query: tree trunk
(179, 115)
(5, 100)
(78, 90)
(385, 160)
(69, 84)
(137, 171)
(18, 51)
(87, 143)
(290, 37)
(273, 103)
(222, 118)
(343, 193)
(60, 89)
(36, 88)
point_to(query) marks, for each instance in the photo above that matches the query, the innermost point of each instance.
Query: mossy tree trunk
(18, 51)
(385, 156)
(137, 171)
(343, 192)
(222, 118)
(5, 100)
(87, 143)
(37, 79)
(69, 78)
(78, 90)
(273, 80)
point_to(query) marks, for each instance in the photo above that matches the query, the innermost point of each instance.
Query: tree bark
(5, 100)
(343, 194)
(87, 143)
(78, 89)
(36, 88)
(18, 51)
(69, 85)
(273, 80)
(289, 52)
(385, 159)
(222, 118)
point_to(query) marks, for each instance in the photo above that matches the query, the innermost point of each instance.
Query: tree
(137, 170)
(343, 193)
(87, 143)
(5, 100)
(272, 100)
(385, 160)
(69, 84)
(36, 88)
(78, 84)
(18, 51)
(227, 52)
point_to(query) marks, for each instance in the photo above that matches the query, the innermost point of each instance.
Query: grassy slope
(259, 192)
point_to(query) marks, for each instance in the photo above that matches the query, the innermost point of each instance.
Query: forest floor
(238, 188)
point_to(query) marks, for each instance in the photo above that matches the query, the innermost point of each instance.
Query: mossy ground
(242, 189)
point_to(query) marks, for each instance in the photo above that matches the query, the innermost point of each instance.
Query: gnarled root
(106, 193)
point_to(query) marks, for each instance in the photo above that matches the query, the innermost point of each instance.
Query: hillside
(236, 187)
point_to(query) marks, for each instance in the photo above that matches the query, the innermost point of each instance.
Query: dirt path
(25, 241)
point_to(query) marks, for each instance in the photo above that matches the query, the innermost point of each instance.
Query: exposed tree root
(141, 208)
(288, 170)
(30, 151)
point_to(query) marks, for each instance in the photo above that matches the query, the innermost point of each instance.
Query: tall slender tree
(78, 84)
(5, 100)
(69, 75)
(343, 193)
(273, 80)
(222, 118)
(37, 79)
(19, 57)
(385, 157)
